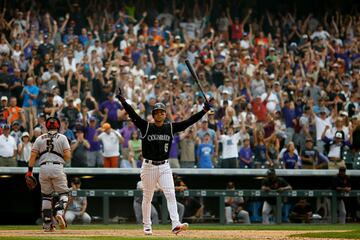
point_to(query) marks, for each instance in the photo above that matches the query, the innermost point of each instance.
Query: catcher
(52, 149)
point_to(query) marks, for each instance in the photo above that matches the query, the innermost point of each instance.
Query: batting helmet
(158, 106)
(52, 123)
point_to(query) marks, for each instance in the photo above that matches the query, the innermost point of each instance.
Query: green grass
(349, 235)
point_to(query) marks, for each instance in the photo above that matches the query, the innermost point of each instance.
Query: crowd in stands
(284, 84)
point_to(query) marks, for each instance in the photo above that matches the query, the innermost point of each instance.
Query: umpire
(52, 149)
(156, 143)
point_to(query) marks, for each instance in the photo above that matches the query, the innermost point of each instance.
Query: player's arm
(34, 155)
(67, 149)
(138, 121)
(181, 126)
(67, 154)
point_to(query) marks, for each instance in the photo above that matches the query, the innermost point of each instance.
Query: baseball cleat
(49, 228)
(147, 231)
(181, 227)
(61, 221)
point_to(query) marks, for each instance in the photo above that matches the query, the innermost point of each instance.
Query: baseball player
(156, 142)
(52, 149)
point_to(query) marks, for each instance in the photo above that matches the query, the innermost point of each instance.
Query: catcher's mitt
(30, 182)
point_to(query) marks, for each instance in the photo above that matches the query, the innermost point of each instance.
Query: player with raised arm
(156, 142)
(52, 149)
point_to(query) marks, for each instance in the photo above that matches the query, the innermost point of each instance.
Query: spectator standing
(135, 155)
(205, 151)
(79, 149)
(112, 109)
(230, 153)
(187, 148)
(70, 112)
(290, 158)
(200, 133)
(4, 79)
(24, 150)
(64, 129)
(174, 152)
(320, 124)
(246, 154)
(334, 147)
(110, 140)
(8, 148)
(30, 94)
(94, 156)
(288, 111)
(15, 113)
(126, 132)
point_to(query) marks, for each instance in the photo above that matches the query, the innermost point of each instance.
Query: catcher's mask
(52, 123)
(158, 106)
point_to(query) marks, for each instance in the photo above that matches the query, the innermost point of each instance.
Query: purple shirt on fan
(126, 133)
(174, 150)
(289, 115)
(89, 135)
(245, 153)
(112, 106)
(290, 161)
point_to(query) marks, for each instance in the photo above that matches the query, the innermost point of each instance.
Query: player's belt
(156, 163)
(57, 163)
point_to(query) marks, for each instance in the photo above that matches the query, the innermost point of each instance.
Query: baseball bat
(196, 77)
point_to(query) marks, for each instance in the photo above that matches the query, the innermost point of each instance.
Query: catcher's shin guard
(47, 215)
(60, 206)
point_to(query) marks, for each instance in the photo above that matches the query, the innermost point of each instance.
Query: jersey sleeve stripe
(171, 128)
(147, 129)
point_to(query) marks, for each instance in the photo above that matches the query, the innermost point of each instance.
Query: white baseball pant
(152, 175)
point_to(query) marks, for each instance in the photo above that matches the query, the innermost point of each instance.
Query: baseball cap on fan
(106, 126)
(339, 134)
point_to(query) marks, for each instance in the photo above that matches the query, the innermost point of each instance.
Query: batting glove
(207, 106)
(120, 96)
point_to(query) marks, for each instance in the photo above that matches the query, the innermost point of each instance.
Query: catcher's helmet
(158, 106)
(52, 123)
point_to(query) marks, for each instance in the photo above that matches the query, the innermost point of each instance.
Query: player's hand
(28, 174)
(120, 96)
(207, 106)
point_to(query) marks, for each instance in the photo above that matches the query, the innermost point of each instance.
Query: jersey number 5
(49, 145)
(166, 147)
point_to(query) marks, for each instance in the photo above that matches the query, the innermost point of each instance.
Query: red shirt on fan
(259, 109)
(236, 31)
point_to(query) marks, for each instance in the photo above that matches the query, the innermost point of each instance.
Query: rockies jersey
(156, 141)
(51, 147)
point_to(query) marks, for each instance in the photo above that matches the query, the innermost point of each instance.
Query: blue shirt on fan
(205, 151)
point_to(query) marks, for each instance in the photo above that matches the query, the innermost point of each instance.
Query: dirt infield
(210, 234)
